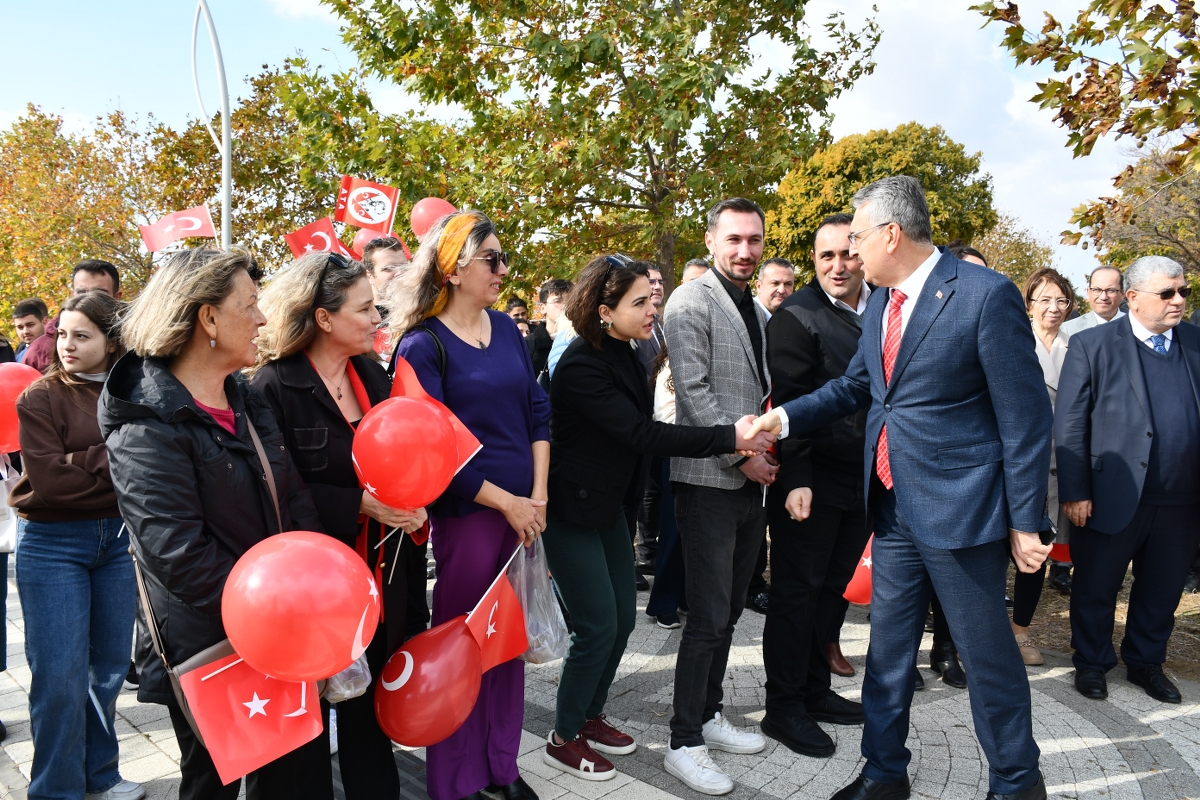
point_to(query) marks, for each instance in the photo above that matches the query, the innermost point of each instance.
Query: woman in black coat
(602, 427)
(176, 416)
(321, 320)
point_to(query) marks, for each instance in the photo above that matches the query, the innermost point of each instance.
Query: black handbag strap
(267, 473)
(151, 620)
(437, 343)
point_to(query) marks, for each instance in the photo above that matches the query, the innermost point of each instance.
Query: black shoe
(1192, 585)
(517, 790)
(1091, 683)
(430, 571)
(832, 707)
(131, 678)
(1035, 792)
(1156, 684)
(639, 579)
(645, 567)
(1059, 578)
(944, 661)
(758, 602)
(478, 796)
(799, 734)
(867, 789)
(918, 681)
(3, 732)
(929, 622)
(1008, 601)
(668, 621)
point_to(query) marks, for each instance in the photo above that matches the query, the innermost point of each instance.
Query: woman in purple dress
(475, 361)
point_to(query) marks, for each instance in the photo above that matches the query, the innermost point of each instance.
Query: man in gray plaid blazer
(715, 339)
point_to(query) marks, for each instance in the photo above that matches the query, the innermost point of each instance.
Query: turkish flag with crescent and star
(366, 204)
(316, 237)
(498, 624)
(249, 719)
(178, 225)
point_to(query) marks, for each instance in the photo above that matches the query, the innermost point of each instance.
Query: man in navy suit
(1126, 432)
(956, 455)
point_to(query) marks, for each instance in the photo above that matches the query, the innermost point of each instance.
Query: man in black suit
(815, 507)
(1126, 429)
(646, 529)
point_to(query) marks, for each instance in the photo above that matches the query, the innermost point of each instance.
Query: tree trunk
(666, 261)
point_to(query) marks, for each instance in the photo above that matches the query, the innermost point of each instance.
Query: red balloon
(428, 688)
(426, 212)
(300, 606)
(1060, 551)
(405, 452)
(859, 588)
(14, 379)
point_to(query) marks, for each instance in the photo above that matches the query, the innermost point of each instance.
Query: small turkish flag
(316, 237)
(405, 383)
(248, 719)
(859, 588)
(366, 204)
(498, 624)
(178, 225)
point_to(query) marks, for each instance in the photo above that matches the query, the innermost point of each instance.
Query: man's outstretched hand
(758, 444)
(768, 422)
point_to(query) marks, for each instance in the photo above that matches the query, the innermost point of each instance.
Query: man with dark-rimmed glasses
(1104, 295)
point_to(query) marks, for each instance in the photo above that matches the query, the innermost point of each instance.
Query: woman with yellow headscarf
(475, 361)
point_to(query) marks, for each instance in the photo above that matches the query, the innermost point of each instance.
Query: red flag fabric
(315, 237)
(366, 204)
(178, 225)
(407, 384)
(248, 719)
(498, 624)
(859, 588)
(366, 235)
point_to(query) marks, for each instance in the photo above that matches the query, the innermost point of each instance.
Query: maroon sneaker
(607, 739)
(576, 758)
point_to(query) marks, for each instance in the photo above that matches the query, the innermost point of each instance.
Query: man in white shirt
(1104, 295)
(776, 282)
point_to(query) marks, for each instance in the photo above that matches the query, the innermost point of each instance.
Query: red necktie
(891, 346)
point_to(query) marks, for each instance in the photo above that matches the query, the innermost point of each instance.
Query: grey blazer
(1083, 322)
(714, 371)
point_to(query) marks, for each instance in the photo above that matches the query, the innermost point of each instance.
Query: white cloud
(936, 65)
(303, 9)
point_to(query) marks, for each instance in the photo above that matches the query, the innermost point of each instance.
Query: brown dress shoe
(838, 664)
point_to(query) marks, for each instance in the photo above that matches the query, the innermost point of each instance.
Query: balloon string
(384, 539)
(395, 561)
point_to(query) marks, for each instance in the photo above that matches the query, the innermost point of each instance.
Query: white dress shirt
(911, 286)
(862, 300)
(1143, 334)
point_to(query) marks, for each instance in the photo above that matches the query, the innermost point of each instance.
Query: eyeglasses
(856, 237)
(1104, 292)
(494, 259)
(1168, 294)
(618, 261)
(335, 259)
(1061, 302)
(384, 243)
(655, 281)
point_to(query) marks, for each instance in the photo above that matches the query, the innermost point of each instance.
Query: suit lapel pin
(938, 295)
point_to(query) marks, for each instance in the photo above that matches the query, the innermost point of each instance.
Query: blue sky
(935, 66)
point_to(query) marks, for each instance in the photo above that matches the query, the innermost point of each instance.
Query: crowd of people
(907, 391)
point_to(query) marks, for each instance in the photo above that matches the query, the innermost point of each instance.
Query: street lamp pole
(223, 144)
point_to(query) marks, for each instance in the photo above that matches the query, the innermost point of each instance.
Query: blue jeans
(77, 589)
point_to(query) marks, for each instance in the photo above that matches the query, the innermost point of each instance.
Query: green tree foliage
(1130, 67)
(1014, 250)
(608, 124)
(959, 196)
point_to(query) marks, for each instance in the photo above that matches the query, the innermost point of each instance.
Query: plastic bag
(349, 683)
(545, 628)
(8, 515)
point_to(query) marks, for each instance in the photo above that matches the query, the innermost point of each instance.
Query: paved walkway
(1128, 747)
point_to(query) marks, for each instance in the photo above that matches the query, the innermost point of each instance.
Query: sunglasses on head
(384, 243)
(1167, 294)
(617, 261)
(494, 259)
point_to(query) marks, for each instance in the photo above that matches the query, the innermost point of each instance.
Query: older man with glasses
(1126, 429)
(1104, 296)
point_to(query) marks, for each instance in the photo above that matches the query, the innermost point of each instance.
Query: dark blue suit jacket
(967, 412)
(1102, 423)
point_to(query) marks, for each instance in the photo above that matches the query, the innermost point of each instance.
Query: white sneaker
(695, 767)
(719, 734)
(333, 745)
(125, 790)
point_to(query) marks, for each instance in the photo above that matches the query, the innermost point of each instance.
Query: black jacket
(810, 342)
(320, 441)
(193, 498)
(602, 425)
(539, 343)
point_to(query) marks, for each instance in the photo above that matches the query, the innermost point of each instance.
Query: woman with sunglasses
(474, 360)
(313, 369)
(601, 429)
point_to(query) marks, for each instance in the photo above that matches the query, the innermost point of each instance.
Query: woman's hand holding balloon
(406, 520)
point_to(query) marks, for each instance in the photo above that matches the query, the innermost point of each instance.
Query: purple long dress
(495, 394)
